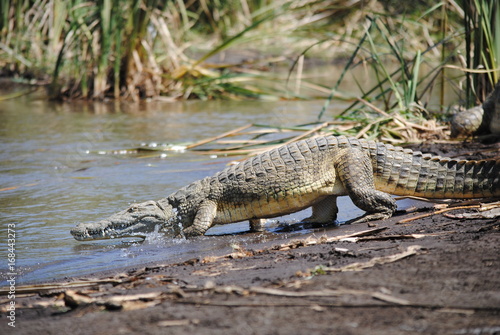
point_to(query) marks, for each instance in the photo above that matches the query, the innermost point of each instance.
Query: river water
(61, 164)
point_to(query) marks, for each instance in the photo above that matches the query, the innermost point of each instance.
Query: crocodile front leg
(257, 225)
(355, 171)
(325, 211)
(203, 220)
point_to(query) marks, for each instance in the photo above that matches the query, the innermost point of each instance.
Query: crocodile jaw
(135, 221)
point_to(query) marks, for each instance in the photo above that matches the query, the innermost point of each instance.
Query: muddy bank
(422, 271)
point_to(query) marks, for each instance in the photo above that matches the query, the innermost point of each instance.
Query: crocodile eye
(132, 209)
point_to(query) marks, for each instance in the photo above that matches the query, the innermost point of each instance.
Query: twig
(396, 237)
(375, 108)
(492, 213)
(410, 251)
(264, 145)
(412, 197)
(328, 293)
(460, 309)
(211, 139)
(363, 131)
(404, 123)
(177, 323)
(307, 133)
(435, 213)
(313, 241)
(38, 288)
(239, 152)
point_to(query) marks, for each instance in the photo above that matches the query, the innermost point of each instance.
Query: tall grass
(482, 42)
(148, 48)
(122, 48)
(395, 108)
(103, 48)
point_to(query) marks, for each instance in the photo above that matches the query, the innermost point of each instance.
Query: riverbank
(418, 272)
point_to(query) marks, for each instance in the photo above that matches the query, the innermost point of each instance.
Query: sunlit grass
(145, 49)
(137, 49)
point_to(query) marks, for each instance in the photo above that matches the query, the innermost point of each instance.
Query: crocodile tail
(403, 172)
(449, 178)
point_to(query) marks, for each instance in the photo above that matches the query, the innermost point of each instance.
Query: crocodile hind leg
(355, 171)
(325, 211)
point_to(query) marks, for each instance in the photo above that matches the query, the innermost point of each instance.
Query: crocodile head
(135, 221)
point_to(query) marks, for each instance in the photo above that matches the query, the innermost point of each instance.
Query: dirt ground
(437, 274)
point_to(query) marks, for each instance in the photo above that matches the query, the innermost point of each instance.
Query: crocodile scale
(306, 173)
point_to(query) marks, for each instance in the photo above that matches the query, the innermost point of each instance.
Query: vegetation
(482, 36)
(196, 49)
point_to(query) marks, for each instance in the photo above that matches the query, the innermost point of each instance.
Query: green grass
(482, 44)
(141, 49)
(397, 108)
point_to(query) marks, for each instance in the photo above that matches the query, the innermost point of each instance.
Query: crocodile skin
(308, 173)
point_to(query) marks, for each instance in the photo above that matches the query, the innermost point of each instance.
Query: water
(54, 174)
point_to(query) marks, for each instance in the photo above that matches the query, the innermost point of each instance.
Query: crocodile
(479, 120)
(308, 173)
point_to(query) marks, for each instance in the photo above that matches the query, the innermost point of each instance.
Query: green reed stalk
(482, 40)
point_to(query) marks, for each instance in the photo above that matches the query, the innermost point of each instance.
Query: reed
(482, 43)
(147, 48)
(401, 93)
